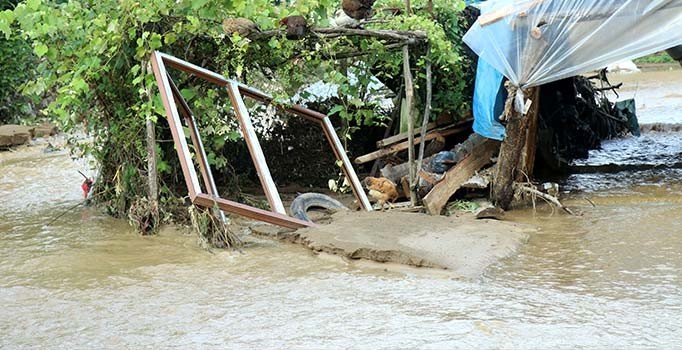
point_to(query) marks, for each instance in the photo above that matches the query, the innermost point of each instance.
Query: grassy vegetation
(657, 58)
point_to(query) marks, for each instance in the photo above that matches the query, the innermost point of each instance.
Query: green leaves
(79, 85)
(33, 5)
(155, 41)
(40, 49)
(6, 19)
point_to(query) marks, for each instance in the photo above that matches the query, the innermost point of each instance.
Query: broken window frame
(171, 98)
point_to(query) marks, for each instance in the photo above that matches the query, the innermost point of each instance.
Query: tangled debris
(575, 116)
(144, 216)
(212, 232)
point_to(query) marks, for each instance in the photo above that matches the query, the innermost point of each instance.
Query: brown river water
(608, 279)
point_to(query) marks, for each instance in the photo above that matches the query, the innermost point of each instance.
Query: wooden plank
(173, 118)
(435, 201)
(494, 16)
(204, 167)
(346, 165)
(402, 136)
(208, 201)
(404, 145)
(255, 149)
(431, 126)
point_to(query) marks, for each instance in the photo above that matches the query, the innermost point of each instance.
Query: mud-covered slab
(14, 135)
(462, 244)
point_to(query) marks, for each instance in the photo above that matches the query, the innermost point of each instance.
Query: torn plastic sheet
(533, 42)
(489, 97)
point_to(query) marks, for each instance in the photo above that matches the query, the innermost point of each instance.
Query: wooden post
(255, 149)
(427, 112)
(409, 103)
(509, 165)
(530, 148)
(152, 176)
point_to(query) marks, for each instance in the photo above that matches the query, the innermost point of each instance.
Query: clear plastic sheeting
(533, 42)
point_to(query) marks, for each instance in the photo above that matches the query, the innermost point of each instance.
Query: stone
(45, 130)
(14, 135)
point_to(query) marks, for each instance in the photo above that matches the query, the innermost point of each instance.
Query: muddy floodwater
(608, 279)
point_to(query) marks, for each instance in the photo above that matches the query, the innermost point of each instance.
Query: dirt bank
(463, 245)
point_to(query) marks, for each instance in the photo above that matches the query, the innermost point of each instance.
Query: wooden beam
(208, 201)
(404, 145)
(346, 165)
(430, 126)
(530, 148)
(173, 118)
(401, 137)
(409, 98)
(255, 149)
(481, 155)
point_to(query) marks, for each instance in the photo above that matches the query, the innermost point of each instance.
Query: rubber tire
(303, 203)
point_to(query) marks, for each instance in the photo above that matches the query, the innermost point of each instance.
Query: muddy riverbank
(461, 244)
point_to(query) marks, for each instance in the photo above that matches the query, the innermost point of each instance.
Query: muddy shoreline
(460, 244)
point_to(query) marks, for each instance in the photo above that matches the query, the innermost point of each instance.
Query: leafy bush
(661, 57)
(94, 56)
(16, 68)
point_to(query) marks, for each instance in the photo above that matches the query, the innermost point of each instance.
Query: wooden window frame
(171, 98)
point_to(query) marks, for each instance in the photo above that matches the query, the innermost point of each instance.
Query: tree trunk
(409, 102)
(479, 157)
(530, 148)
(509, 164)
(152, 176)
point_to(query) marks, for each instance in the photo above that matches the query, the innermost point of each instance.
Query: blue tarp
(489, 99)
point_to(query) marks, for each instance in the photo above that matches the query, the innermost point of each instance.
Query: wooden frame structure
(171, 98)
